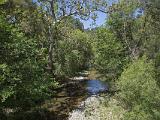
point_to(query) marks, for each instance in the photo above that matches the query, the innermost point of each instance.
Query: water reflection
(95, 86)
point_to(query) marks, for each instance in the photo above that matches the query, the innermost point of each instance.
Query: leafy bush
(139, 91)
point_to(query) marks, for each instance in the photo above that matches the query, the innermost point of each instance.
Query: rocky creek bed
(97, 107)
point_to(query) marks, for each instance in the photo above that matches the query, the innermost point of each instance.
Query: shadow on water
(69, 98)
(65, 101)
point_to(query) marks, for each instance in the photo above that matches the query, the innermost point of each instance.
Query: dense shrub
(139, 91)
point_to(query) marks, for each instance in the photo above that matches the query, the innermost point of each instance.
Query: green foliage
(71, 23)
(42, 42)
(135, 24)
(23, 80)
(139, 91)
(109, 56)
(157, 66)
(73, 54)
(26, 34)
(2, 1)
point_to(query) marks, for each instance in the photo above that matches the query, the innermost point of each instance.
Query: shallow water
(70, 97)
(93, 89)
(95, 86)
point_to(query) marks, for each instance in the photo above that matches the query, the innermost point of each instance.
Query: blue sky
(101, 19)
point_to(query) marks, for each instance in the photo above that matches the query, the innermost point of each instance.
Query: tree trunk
(51, 41)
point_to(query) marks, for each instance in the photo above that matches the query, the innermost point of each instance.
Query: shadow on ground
(56, 108)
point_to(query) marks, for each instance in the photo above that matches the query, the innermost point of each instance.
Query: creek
(72, 96)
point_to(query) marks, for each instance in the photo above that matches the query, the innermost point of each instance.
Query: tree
(73, 51)
(59, 10)
(132, 22)
(108, 51)
(24, 81)
(128, 23)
